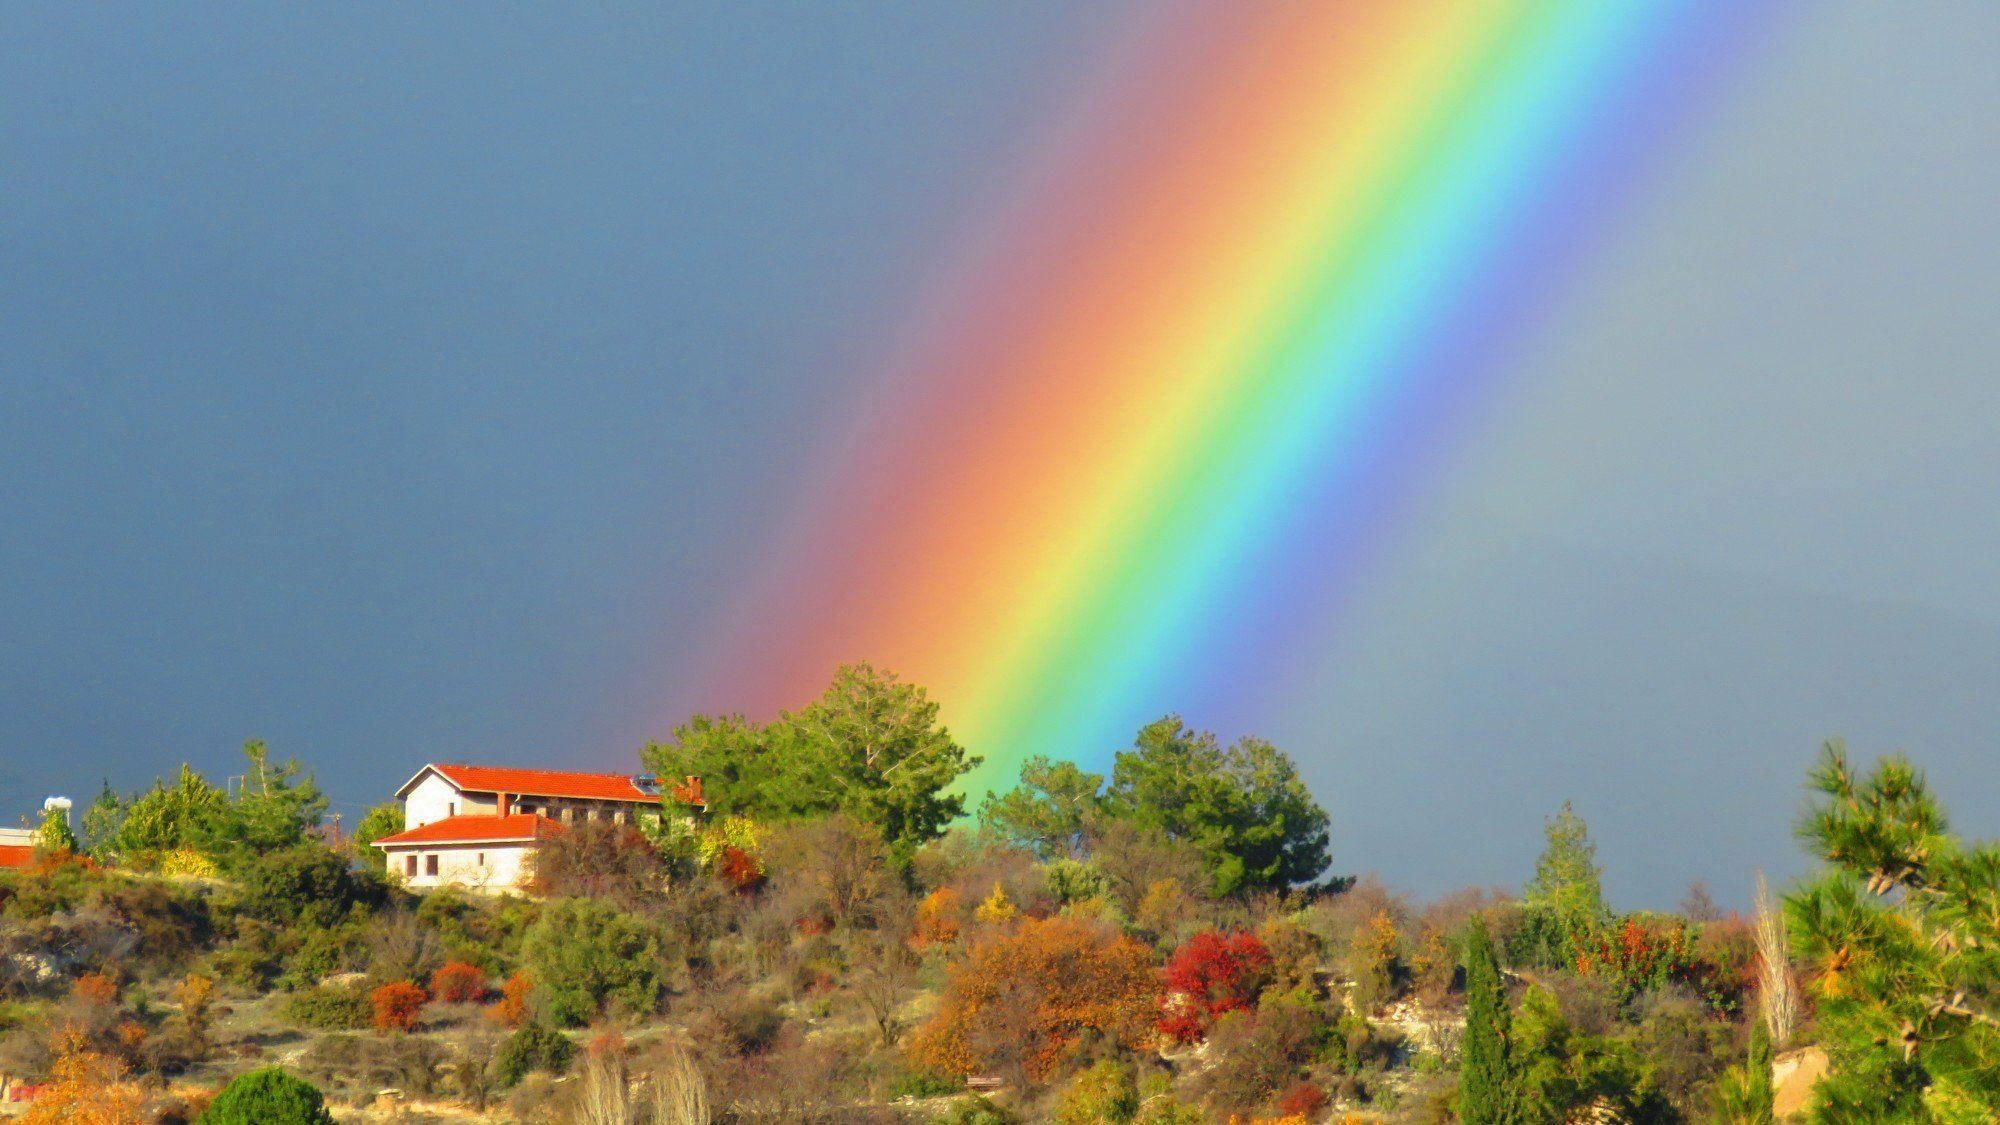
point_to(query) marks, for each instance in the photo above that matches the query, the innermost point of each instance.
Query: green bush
(925, 1084)
(267, 1097)
(534, 1047)
(584, 954)
(330, 1008)
(307, 885)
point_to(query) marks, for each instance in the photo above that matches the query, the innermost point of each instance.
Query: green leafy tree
(1562, 1072)
(1048, 812)
(385, 819)
(1901, 934)
(1486, 1072)
(870, 746)
(585, 954)
(1243, 807)
(267, 1097)
(167, 817)
(54, 835)
(305, 885)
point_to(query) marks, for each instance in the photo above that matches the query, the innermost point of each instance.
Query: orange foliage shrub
(85, 1088)
(937, 919)
(512, 1009)
(96, 988)
(397, 1005)
(456, 982)
(1022, 1001)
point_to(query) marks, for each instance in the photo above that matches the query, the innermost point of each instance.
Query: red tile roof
(544, 783)
(475, 829)
(16, 855)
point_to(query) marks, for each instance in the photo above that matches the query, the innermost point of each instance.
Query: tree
(385, 819)
(54, 836)
(1900, 933)
(614, 862)
(870, 746)
(274, 810)
(1563, 905)
(1023, 1001)
(1486, 1077)
(103, 819)
(166, 818)
(1048, 812)
(308, 884)
(585, 954)
(267, 1097)
(1243, 807)
(1210, 974)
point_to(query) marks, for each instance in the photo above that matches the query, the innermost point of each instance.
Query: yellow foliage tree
(85, 1088)
(997, 909)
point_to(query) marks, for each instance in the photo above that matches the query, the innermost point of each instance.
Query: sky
(398, 385)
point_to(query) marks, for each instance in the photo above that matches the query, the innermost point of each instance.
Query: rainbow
(1160, 425)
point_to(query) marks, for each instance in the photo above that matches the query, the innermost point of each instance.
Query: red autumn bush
(457, 982)
(397, 1005)
(1304, 1100)
(1210, 974)
(741, 870)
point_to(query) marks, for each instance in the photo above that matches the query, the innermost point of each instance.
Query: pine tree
(1563, 905)
(1486, 1080)
(1900, 934)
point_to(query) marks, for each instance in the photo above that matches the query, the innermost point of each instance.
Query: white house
(474, 826)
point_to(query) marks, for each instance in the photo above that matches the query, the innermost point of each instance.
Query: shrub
(267, 1097)
(1212, 973)
(457, 982)
(937, 919)
(534, 1047)
(585, 954)
(330, 1008)
(397, 1005)
(307, 885)
(1024, 1000)
(1304, 1100)
(512, 1007)
(1105, 1091)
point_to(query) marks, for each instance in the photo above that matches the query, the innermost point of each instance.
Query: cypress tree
(1486, 1077)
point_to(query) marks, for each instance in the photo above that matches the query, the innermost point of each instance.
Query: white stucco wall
(492, 867)
(433, 799)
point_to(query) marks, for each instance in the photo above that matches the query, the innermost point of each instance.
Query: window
(482, 859)
(430, 865)
(410, 865)
(451, 809)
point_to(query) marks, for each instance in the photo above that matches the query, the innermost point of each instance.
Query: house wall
(504, 866)
(18, 837)
(434, 798)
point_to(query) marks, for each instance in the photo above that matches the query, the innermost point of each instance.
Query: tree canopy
(870, 746)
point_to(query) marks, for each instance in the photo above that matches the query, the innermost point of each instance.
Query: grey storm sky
(399, 384)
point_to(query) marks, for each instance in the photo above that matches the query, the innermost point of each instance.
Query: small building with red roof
(17, 847)
(475, 826)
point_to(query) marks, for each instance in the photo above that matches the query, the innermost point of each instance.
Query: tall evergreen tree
(1486, 1073)
(1564, 903)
